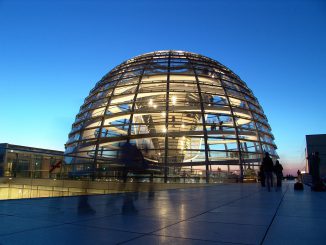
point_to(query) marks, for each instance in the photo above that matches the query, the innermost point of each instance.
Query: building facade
(29, 162)
(316, 144)
(183, 114)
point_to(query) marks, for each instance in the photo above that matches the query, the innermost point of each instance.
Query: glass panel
(90, 134)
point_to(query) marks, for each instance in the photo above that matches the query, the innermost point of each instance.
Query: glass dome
(187, 114)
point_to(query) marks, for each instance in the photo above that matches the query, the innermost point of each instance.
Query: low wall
(16, 188)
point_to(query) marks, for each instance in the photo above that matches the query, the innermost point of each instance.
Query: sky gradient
(53, 52)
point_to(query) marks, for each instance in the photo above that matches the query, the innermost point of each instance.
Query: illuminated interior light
(174, 99)
(163, 114)
(182, 125)
(155, 106)
(150, 102)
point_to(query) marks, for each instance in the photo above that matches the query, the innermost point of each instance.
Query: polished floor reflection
(216, 214)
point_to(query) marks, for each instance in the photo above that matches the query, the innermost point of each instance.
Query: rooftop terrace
(215, 214)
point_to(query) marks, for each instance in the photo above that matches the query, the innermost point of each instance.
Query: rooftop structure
(187, 114)
(29, 162)
(316, 143)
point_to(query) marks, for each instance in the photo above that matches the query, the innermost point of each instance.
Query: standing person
(268, 168)
(314, 163)
(299, 176)
(278, 170)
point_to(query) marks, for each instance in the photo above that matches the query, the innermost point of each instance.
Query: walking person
(278, 170)
(262, 175)
(268, 168)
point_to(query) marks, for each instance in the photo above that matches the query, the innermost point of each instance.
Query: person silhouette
(268, 168)
(299, 176)
(262, 175)
(278, 170)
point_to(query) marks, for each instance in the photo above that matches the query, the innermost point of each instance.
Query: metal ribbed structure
(182, 110)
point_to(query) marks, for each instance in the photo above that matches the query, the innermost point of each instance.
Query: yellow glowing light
(150, 102)
(154, 106)
(164, 130)
(182, 125)
(163, 114)
(174, 99)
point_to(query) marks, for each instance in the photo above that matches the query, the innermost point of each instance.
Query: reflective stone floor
(216, 214)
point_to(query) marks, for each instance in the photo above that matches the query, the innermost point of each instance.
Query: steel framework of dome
(183, 111)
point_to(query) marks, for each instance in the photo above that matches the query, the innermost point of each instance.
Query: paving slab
(214, 214)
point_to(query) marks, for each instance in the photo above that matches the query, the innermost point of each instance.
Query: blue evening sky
(53, 52)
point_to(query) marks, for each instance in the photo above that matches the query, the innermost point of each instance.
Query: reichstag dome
(169, 116)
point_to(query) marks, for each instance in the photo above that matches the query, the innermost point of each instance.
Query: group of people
(267, 170)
